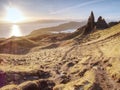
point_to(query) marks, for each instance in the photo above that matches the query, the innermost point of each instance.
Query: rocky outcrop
(101, 23)
(86, 29)
(113, 23)
(90, 24)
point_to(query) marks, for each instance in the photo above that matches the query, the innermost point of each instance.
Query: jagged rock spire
(101, 23)
(90, 27)
(90, 24)
(91, 18)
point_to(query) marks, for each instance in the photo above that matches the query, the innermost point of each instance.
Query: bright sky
(63, 9)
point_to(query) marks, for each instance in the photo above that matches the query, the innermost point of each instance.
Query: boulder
(95, 86)
(62, 79)
(45, 84)
(43, 74)
(29, 85)
(2, 78)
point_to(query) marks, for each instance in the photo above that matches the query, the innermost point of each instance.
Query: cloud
(76, 6)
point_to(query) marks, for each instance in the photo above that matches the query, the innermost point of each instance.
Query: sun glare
(14, 15)
(15, 31)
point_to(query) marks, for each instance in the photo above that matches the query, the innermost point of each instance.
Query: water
(65, 31)
(8, 30)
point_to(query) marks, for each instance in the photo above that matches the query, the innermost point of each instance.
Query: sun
(15, 31)
(14, 15)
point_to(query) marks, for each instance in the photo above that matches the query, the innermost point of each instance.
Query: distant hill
(14, 45)
(61, 27)
(36, 21)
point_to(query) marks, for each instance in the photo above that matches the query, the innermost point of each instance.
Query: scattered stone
(85, 63)
(95, 64)
(109, 65)
(118, 81)
(29, 85)
(105, 61)
(82, 72)
(62, 79)
(70, 64)
(2, 78)
(86, 82)
(45, 84)
(78, 87)
(95, 86)
(43, 74)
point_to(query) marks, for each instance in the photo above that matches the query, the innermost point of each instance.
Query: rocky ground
(89, 62)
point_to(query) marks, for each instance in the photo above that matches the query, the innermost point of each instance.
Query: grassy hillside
(16, 45)
(90, 64)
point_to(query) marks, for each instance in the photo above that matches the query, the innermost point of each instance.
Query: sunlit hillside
(59, 45)
(92, 64)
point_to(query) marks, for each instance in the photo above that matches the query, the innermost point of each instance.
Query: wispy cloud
(76, 6)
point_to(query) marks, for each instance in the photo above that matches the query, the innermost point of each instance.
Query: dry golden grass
(85, 64)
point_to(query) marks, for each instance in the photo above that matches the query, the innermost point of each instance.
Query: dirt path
(104, 80)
